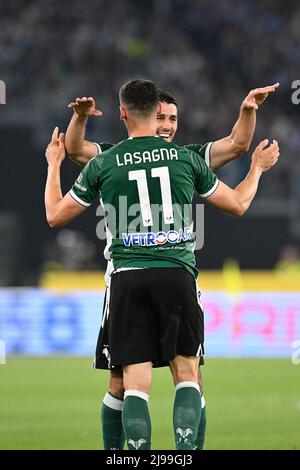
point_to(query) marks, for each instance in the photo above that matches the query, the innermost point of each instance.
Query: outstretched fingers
(265, 90)
(54, 138)
(263, 144)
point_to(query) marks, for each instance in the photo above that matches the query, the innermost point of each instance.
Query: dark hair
(166, 97)
(139, 96)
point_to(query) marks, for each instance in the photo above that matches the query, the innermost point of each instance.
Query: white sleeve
(212, 190)
(99, 148)
(207, 154)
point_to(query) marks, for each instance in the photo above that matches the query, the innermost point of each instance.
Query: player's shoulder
(95, 164)
(105, 146)
(107, 150)
(202, 150)
(195, 147)
(187, 153)
(102, 146)
(182, 149)
(198, 148)
(186, 150)
(105, 161)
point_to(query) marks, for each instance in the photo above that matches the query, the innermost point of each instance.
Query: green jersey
(202, 150)
(146, 187)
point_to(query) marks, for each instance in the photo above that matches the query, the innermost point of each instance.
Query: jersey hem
(211, 191)
(77, 199)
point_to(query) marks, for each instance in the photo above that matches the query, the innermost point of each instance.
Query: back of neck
(142, 130)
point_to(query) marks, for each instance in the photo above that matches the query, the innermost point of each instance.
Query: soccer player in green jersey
(154, 313)
(215, 154)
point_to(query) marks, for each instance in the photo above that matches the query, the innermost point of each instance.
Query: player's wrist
(54, 164)
(81, 118)
(256, 168)
(247, 109)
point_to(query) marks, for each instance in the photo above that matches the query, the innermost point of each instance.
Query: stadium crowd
(209, 54)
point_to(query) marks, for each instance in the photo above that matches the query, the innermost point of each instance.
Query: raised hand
(85, 107)
(265, 157)
(256, 97)
(55, 152)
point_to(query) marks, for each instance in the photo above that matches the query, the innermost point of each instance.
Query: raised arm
(78, 148)
(239, 141)
(59, 210)
(237, 201)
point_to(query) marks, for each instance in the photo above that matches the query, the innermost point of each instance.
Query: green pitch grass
(54, 403)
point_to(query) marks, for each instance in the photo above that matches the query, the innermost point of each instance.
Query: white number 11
(141, 178)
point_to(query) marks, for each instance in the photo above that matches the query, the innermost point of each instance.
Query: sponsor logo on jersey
(159, 238)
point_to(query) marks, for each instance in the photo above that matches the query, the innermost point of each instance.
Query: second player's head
(139, 102)
(167, 117)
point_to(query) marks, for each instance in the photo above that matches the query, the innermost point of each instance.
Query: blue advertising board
(40, 322)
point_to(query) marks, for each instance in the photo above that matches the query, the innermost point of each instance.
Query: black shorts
(150, 315)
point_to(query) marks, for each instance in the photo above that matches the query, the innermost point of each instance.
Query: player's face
(167, 121)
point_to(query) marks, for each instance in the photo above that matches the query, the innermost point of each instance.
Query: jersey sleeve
(87, 187)
(206, 181)
(103, 146)
(202, 150)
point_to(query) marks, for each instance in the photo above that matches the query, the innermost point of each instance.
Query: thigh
(181, 321)
(132, 323)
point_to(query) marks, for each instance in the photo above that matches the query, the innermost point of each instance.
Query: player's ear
(123, 114)
(159, 108)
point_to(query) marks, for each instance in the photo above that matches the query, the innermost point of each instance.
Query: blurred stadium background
(209, 54)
